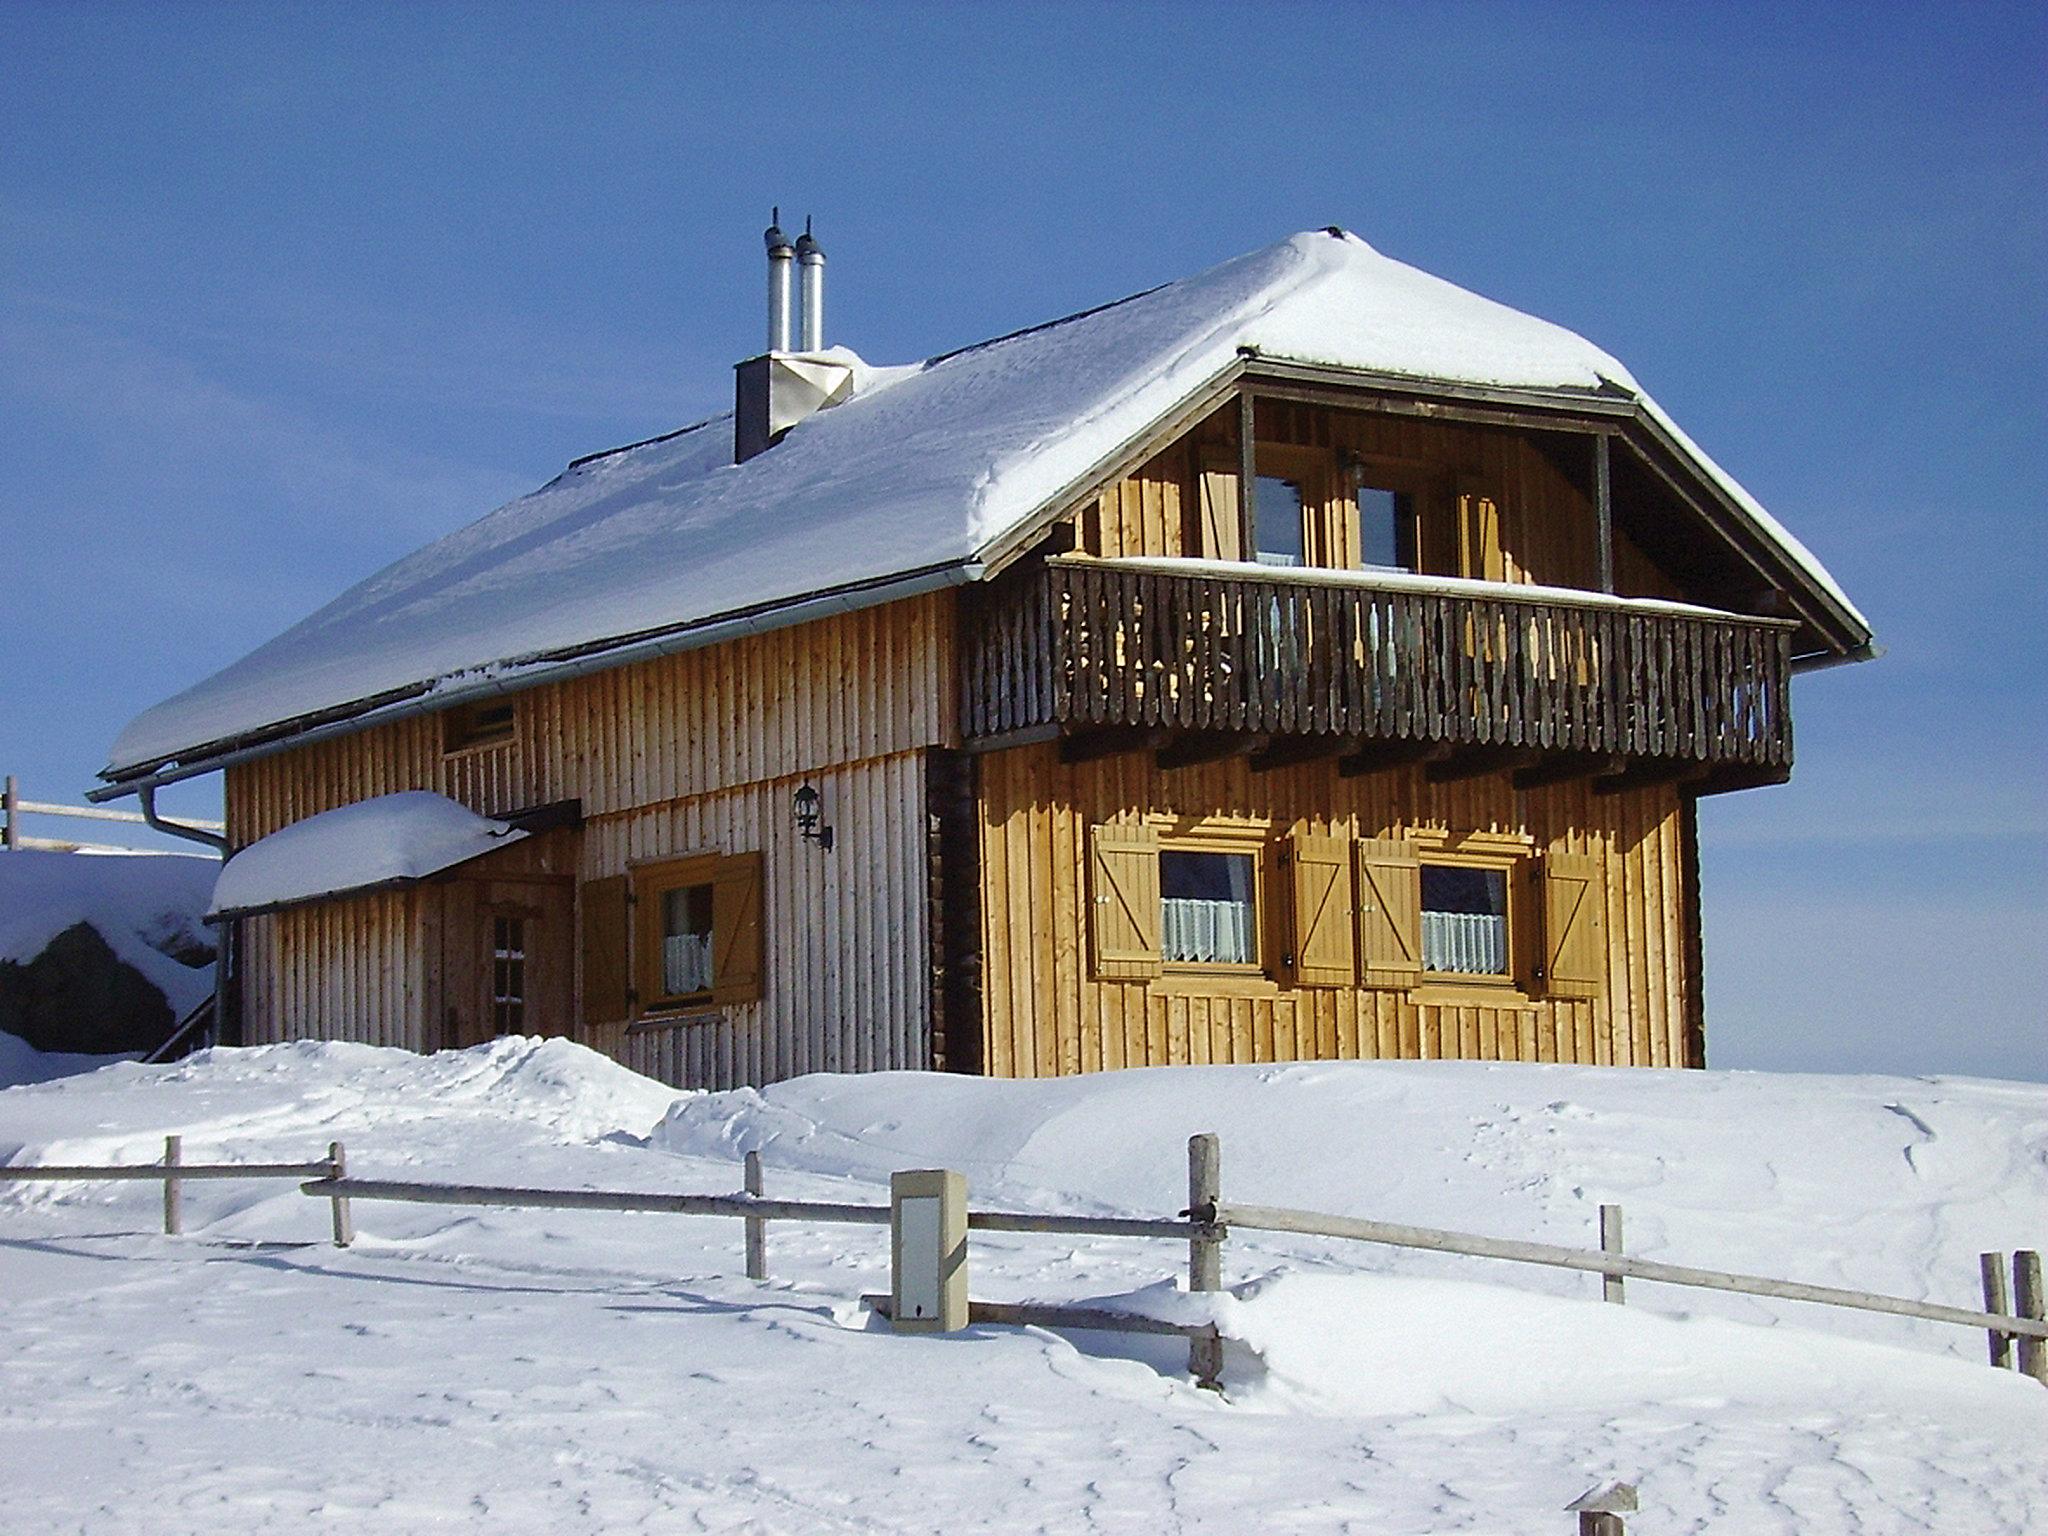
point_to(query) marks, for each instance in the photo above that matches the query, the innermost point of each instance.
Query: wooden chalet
(1307, 659)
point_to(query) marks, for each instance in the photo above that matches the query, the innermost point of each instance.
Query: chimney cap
(777, 241)
(807, 243)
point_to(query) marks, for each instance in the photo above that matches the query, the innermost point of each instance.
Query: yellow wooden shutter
(736, 929)
(1322, 911)
(1574, 926)
(606, 999)
(1220, 521)
(1124, 920)
(1389, 913)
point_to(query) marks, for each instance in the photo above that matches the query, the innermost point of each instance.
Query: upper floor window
(1277, 524)
(482, 723)
(1465, 919)
(1208, 907)
(1386, 528)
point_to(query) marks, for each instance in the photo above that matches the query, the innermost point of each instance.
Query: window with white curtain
(1208, 907)
(686, 940)
(1465, 920)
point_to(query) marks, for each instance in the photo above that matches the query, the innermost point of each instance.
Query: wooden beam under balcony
(1085, 746)
(1478, 762)
(1287, 751)
(1378, 755)
(1734, 776)
(1566, 767)
(1188, 748)
(1641, 775)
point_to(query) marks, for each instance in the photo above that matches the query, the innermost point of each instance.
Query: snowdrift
(518, 1370)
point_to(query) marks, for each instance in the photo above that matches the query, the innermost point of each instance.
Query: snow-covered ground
(513, 1371)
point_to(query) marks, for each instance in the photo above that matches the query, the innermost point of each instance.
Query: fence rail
(1204, 1226)
(13, 808)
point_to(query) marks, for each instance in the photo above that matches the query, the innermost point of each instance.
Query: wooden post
(2027, 1301)
(1247, 478)
(10, 813)
(757, 1229)
(174, 1187)
(1603, 509)
(1610, 1242)
(344, 1218)
(1600, 1510)
(1992, 1267)
(1205, 1251)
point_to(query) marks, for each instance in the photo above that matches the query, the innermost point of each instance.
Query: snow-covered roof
(390, 840)
(923, 469)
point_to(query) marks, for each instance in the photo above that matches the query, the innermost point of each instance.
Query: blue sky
(285, 292)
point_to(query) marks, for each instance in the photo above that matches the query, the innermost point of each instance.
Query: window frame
(462, 733)
(1255, 841)
(649, 883)
(1514, 857)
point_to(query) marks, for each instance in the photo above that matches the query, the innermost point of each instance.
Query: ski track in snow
(548, 1371)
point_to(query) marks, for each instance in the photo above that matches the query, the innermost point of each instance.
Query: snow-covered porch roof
(393, 840)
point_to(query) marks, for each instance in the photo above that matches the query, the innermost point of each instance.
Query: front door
(506, 958)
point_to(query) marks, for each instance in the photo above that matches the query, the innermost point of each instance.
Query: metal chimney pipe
(780, 257)
(811, 258)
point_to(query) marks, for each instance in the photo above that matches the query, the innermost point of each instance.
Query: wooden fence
(13, 808)
(2017, 1337)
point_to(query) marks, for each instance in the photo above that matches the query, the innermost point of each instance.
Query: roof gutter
(559, 667)
(1820, 661)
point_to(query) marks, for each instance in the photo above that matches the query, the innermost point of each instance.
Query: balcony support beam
(1734, 776)
(1377, 755)
(1641, 775)
(1478, 762)
(1565, 767)
(1092, 742)
(1189, 748)
(1286, 751)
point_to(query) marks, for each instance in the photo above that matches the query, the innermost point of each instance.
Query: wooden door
(507, 959)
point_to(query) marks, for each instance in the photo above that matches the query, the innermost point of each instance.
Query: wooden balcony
(1285, 666)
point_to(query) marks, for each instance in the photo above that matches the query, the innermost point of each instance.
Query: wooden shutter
(1323, 919)
(1574, 925)
(1221, 524)
(736, 929)
(1389, 914)
(1123, 928)
(606, 995)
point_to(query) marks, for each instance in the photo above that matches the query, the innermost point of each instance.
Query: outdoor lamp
(808, 809)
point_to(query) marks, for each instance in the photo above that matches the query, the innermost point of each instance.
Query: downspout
(224, 945)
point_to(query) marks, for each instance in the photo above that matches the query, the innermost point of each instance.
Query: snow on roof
(391, 840)
(924, 466)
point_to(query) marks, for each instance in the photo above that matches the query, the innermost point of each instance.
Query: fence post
(757, 1229)
(344, 1218)
(1600, 1510)
(1205, 1251)
(1992, 1267)
(174, 1187)
(1610, 1242)
(2027, 1301)
(10, 813)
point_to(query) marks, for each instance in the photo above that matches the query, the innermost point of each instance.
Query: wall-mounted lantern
(808, 809)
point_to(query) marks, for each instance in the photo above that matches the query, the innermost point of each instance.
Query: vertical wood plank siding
(1047, 1015)
(700, 750)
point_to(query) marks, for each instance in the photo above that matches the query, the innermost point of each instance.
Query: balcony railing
(1080, 644)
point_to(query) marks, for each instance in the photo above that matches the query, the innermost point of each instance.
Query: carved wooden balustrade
(1654, 691)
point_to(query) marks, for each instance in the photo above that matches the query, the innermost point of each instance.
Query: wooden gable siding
(1047, 1015)
(1532, 523)
(696, 752)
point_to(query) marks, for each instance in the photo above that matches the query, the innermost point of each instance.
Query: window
(1208, 908)
(1465, 920)
(485, 723)
(695, 937)
(1386, 528)
(1277, 521)
(508, 975)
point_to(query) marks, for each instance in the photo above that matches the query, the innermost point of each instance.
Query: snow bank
(380, 841)
(21, 1062)
(924, 466)
(146, 906)
(528, 1371)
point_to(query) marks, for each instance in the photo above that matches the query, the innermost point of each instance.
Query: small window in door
(1386, 528)
(508, 975)
(1277, 516)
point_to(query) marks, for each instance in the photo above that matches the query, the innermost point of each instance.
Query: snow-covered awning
(375, 844)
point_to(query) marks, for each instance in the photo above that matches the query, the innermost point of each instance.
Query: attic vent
(484, 723)
(775, 391)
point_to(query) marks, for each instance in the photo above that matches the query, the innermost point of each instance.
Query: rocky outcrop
(78, 995)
